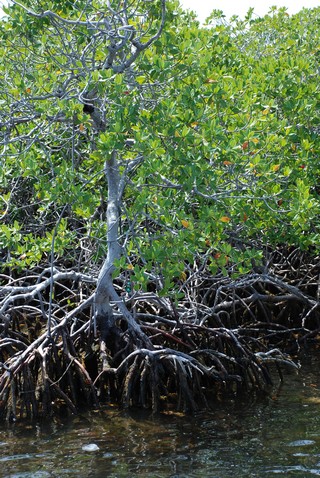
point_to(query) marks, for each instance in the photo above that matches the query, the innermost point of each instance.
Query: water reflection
(277, 436)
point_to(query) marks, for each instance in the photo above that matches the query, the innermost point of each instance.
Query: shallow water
(276, 437)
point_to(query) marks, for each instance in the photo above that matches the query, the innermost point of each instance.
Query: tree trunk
(103, 311)
(105, 292)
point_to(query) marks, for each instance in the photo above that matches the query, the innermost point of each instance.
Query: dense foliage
(227, 121)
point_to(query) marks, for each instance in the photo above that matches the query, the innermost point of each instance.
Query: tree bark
(105, 292)
(103, 311)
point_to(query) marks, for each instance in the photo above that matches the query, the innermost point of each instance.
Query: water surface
(278, 436)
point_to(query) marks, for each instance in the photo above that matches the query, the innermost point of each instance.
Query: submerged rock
(90, 447)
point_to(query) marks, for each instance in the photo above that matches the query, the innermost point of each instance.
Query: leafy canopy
(226, 118)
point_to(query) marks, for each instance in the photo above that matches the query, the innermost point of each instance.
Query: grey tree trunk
(103, 310)
(105, 291)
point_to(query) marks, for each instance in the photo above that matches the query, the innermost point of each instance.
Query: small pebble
(90, 447)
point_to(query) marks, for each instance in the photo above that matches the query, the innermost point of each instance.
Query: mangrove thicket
(159, 203)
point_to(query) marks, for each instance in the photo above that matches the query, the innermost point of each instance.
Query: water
(275, 437)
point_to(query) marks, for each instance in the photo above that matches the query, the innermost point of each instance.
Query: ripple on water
(24, 456)
(294, 469)
(302, 443)
(34, 474)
